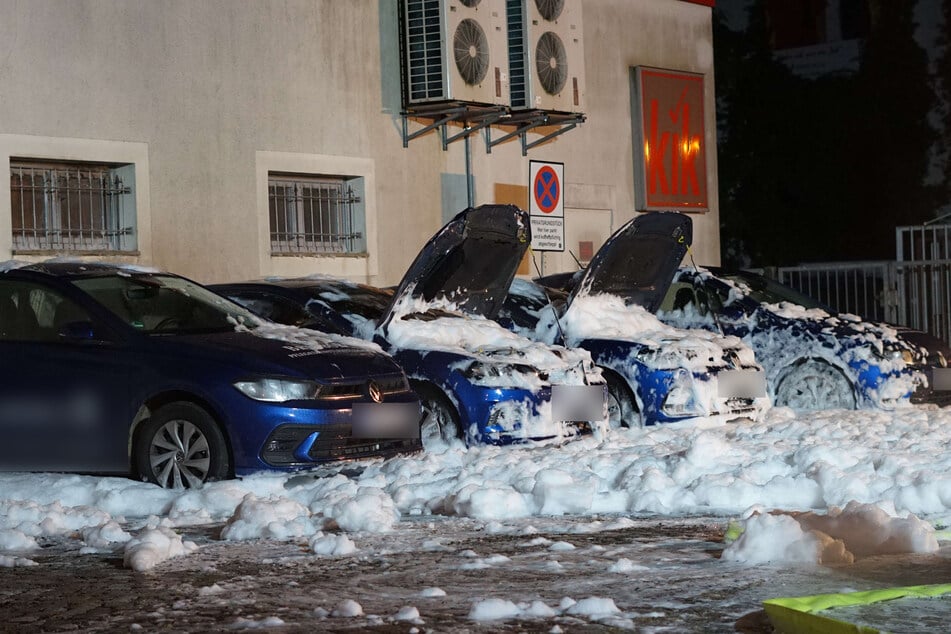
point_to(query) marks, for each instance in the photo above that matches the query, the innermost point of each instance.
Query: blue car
(116, 370)
(477, 381)
(655, 373)
(814, 359)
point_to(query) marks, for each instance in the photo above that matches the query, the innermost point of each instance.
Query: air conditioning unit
(454, 50)
(546, 55)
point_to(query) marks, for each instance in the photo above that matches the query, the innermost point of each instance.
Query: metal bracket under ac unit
(526, 121)
(476, 117)
(473, 117)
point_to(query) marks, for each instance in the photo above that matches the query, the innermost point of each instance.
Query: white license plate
(385, 420)
(941, 379)
(578, 402)
(741, 384)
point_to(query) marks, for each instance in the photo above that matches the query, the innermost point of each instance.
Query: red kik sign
(669, 143)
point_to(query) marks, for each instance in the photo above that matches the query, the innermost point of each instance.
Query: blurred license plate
(386, 420)
(741, 384)
(577, 402)
(941, 379)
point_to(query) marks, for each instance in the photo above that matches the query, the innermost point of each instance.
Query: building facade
(232, 140)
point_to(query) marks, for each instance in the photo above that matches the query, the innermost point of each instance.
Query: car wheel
(181, 446)
(812, 384)
(440, 423)
(622, 409)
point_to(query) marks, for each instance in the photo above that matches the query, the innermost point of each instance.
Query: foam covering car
(655, 373)
(814, 358)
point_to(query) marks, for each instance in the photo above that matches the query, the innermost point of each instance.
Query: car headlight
(502, 374)
(479, 371)
(938, 359)
(661, 358)
(893, 352)
(272, 390)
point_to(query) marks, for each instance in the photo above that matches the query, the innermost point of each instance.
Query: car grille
(741, 404)
(334, 443)
(388, 385)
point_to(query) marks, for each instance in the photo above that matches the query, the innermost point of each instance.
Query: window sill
(62, 253)
(362, 255)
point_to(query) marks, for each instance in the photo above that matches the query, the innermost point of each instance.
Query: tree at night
(822, 169)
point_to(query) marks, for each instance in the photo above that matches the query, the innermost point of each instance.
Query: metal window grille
(312, 215)
(67, 207)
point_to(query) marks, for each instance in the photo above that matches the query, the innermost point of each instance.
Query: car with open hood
(477, 381)
(814, 358)
(111, 369)
(655, 373)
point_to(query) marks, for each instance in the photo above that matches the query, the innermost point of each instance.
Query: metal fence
(862, 288)
(924, 290)
(924, 280)
(914, 290)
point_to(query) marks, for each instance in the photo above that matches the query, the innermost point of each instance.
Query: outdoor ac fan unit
(454, 50)
(546, 55)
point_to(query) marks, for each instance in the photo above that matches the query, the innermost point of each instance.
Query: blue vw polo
(117, 370)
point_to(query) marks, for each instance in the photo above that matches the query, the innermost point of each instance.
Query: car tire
(811, 384)
(622, 408)
(440, 422)
(181, 446)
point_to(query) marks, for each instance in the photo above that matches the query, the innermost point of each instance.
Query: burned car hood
(469, 263)
(639, 261)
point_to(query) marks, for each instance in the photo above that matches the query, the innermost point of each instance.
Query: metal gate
(914, 290)
(924, 280)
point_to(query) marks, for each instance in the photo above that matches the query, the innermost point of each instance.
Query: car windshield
(767, 291)
(165, 304)
(431, 314)
(356, 300)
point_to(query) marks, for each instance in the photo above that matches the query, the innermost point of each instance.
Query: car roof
(79, 269)
(304, 283)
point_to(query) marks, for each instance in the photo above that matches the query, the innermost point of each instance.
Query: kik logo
(672, 150)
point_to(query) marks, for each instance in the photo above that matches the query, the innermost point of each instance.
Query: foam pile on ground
(104, 537)
(273, 517)
(593, 608)
(839, 536)
(332, 545)
(894, 460)
(155, 544)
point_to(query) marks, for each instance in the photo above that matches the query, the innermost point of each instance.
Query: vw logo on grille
(375, 391)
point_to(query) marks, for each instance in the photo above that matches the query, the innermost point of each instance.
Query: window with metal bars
(72, 207)
(315, 214)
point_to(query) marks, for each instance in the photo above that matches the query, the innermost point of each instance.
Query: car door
(64, 384)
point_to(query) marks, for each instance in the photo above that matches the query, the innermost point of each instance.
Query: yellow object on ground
(797, 615)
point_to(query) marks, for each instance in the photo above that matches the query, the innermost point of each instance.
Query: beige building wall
(205, 97)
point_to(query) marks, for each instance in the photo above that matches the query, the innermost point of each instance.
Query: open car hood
(470, 262)
(639, 261)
